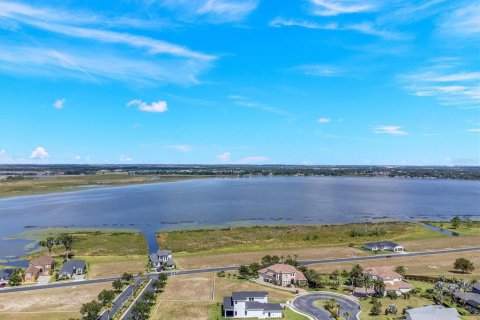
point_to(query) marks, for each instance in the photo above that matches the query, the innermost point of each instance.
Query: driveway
(304, 303)
(43, 279)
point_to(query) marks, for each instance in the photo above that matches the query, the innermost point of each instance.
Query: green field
(236, 239)
(471, 228)
(29, 186)
(216, 313)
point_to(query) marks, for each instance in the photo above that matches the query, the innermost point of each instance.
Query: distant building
(282, 275)
(392, 280)
(41, 266)
(72, 267)
(476, 287)
(383, 246)
(5, 275)
(162, 258)
(432, 312)
(250, 304)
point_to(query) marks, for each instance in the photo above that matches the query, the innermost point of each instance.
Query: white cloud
(77, 157)
(364, 27)
(324, 120)
(447, 80)
(39, 153)
(214, 11)
(242, 101)
(59, 103)
(463, 21)
(253, 159)
(393, 130)
(320, 70)
(124, 158)
(180, 147)
(338, 7)
(156, 106)
(224, 157)
(474, 130)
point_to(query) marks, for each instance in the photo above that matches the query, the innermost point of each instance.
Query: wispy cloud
(224, 157)
(474, 130)
(39, 153)
(213, 11)
(338, 7)
(155, 106)
(447, 80)
(59, 103)
(320, 70)
(124, 158)
(463, 21)
(393, 130)
(154, 61)
(324, 120)
(180, 147)
(246, 102)
(366, 27)
(253, 160)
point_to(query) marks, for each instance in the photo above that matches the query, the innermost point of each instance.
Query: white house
(282, 275)
(250, 304)
(162, 258)
(392, 280)
(383, 246)
(432, 312)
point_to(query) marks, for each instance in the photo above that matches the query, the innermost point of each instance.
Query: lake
(239, 201)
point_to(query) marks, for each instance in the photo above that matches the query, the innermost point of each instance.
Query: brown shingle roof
(282, 268)
(42, 261)
(382, 272)
(397, 285)
(32, 270)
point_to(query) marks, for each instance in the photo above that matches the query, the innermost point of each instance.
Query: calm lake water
(242, 201)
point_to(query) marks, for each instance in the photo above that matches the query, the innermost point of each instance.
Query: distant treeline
(468, 173)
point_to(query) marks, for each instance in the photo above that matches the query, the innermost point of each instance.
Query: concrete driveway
(43, 279)
(304, 303)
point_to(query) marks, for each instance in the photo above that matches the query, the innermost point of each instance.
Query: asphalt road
(120, 300)
(304, 303)
(231, 268)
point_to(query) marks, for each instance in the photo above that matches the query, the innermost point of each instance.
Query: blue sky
(224, 81)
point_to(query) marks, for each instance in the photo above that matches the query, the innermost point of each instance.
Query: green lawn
(471, 229)
(236, 239)
(216, 313)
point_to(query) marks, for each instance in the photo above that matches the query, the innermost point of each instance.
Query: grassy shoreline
(60, 184)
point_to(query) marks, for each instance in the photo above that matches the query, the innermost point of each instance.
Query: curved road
(231, 268)
(304, 303)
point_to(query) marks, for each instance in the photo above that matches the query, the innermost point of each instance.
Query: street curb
(329, 293)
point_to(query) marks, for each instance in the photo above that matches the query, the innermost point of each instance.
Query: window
(245, 312)
(235, 301)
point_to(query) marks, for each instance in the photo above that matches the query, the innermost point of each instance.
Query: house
(432, 312)
(383, 246)
(72, 267)
(250, 304)
(392, 280)
(162, 258)
(5, 275)
(282, 275)
(471, 299)
(44, 264)
(31, 274)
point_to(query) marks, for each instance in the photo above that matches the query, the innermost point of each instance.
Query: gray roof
(433, 312)
(71, 265)
(468, 296)
(255, 305)
(476, 286)
(243, 295)
(154, 258)
(227, 303)
(5, 273)
(170, 262)
(163, 253)
(382, 243)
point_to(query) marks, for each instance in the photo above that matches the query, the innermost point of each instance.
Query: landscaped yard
(258, 238)
(216, 313)
(400, 303)
(57, 303)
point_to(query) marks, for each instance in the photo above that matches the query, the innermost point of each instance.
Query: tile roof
(42, 261)
(397, 285)
(382, 272)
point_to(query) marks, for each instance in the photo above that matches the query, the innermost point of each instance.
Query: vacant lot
(108, 266)
(57, 303)
(465, 227)
(209, 259)
(427, 265)
(442, 243)
(11, 188)
(238, 239)
(189, 288)
(181, 310)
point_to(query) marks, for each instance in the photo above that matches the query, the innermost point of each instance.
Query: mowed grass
(12, 188)
(400, 303)
(55, 303)
(434, 265)
(107, 252)
(471, 228)
(235, 239)
(216, 313)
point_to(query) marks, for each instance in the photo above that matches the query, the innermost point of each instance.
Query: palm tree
(346, 315)
(367, 284)
(379, 286)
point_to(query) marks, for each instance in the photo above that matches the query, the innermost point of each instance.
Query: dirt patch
(441, 243)
(101, 267)
(191, 287)
(50, 300)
